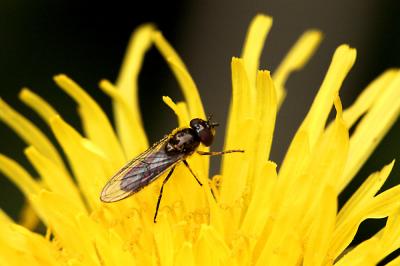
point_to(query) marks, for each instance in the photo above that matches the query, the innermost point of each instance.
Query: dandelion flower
(249, 214)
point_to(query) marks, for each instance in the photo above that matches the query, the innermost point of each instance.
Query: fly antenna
(212, 124)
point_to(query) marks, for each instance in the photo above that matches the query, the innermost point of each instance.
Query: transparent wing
(139, 172)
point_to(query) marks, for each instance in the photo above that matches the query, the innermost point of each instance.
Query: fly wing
(139, 172)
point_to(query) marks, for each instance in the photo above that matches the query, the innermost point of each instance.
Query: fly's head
(205, 130)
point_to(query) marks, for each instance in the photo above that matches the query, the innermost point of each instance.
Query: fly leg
(213, 153)
(190, 169)
(161, 192)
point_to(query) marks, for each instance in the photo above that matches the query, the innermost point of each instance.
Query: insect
(162, 156)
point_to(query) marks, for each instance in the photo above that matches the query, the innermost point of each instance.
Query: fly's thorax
(183, 141)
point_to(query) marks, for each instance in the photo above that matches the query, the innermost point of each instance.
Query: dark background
(39, 39)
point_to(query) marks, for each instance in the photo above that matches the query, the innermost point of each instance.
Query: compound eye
(206, 136)
(203, 131)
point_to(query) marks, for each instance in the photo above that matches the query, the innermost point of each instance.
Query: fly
(162, 156)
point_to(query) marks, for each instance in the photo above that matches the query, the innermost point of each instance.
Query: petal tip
(262, 18)
(24, 92)
(59, 77)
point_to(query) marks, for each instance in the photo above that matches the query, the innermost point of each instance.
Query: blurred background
(39, 39)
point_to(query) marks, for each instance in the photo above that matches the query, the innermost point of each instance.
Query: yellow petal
(183, 187)
(233, 194)
(330, 152)
(4, 218)
(19, 246)
(317, 242)
(185, 255)
(240, 250)
(267, 104)
(210, 249)
(368, 97)
(163, 234)
(362, 254)
(188, 86)
(390, 241)
(372, 128)
(28, 217)
(256, 35)
(90, 172)
(25, 183)
(133, 137)
(179, 109)
(28, 132)
(384, 203)
(139, 43)
(37, 103)
(19, 176)
(394, 262)
(236, 166)
(296, 158)
(381, 206)
(59, 214)
(342, 61)
(263, 185)
(296, 197)
(365, 193)
(95, 121)
(242, 107)
(243, 115)
(294, 60)
(127, 84)
(102, 239)
(55, 179)
(288, 253)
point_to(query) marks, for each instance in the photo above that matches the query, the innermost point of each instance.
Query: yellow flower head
(249, 214)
